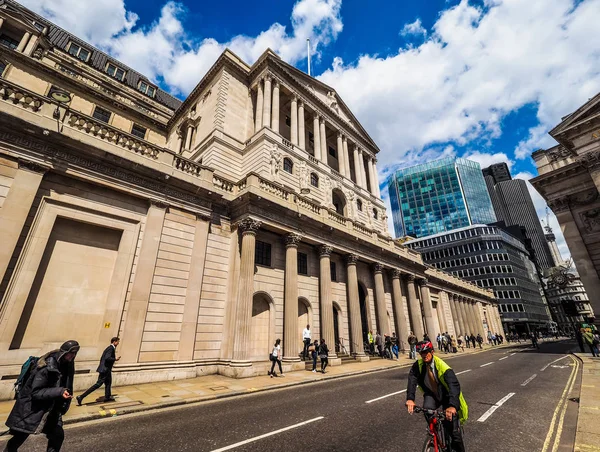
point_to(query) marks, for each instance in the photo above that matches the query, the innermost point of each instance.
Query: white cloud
(486, 159)
(415, 28)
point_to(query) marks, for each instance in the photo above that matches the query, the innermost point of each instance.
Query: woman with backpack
(324, 355)
(276, 358)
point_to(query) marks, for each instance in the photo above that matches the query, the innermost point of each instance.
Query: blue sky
(482, 79)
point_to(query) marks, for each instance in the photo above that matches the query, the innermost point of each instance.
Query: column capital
(292, 239)
(344, 138)
(396, 274)
(339, 135)
(359, 150)
(275, 83)
(268, 77)
(351, 259)
(159, 203)
(295, 97)
(300, 102)
(34, 167)
(558, 205)
(325, 250)
(423, 282)
(411, 278)
(321, 120)
(249, 225)
(377, 267)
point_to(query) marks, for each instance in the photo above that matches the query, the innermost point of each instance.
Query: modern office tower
(492, 258)
(439, 196)
(513, 205)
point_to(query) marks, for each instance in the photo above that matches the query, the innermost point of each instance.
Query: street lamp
(62, 97)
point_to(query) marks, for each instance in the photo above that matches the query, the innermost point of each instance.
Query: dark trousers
(324, 362)
(305, 350)
(275, 360)
(452, 428)
(314, 358)
(56, 436)
(105, 379)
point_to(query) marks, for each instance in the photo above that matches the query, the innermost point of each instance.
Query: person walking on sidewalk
(591, 341)
(276, 359)
(324, 355)
(412, 342)
(104, 370)
(379, 343)
(371, 342)
(472, 337)
(314, 351)
(44, 398)
(479, 340)
(306, 338)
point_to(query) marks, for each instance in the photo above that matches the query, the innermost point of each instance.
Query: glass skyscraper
(439, 196)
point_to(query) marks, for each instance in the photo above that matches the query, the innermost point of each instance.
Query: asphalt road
(342, 420)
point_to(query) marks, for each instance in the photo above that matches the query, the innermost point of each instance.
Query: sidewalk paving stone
(588, 423)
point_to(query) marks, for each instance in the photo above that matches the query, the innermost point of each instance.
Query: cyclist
(440, 388)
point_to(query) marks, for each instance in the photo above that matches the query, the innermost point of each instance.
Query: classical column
(323, 140)
(471, 317)
(346, 159)
(441, 314)
(326, 305)
(142, 284)
(357, 173)
(382, 321)
(275, 110)
(499, 319)
(478, 318)
(15, 209)
(463, 317)
(267, 102)
(290, 308)
(188, 137)
(399, 316)
(294, 121)
(455, 321)
(24, 41)
(1, 22)
(189, 324)
(354, 306)
(301, 132)
(416, 319)
(340, 151)
(243, 320)
(259, 107)
(317, 137)
(372, 177)
(427, 309)
(376, 179)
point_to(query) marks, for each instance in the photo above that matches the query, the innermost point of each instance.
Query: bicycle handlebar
(438, 413)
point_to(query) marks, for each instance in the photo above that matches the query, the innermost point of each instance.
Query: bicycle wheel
(429, 446)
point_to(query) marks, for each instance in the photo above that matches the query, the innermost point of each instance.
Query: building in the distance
(513, 205)
(439, 196)
(491, 258)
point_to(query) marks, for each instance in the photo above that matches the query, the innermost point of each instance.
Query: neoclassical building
(198, 231)
(569, 180)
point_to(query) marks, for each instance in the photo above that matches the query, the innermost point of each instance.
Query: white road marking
(528, 380)
(556, 360)
(385, 396)
(503, 358)
(498, 404)
(486, 364)
(463, 372)
(266, 435)
(512, 354)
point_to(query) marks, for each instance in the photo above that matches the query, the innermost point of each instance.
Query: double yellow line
(556, 428)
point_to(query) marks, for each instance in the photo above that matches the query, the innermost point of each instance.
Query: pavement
(520, 400)
(588, 425)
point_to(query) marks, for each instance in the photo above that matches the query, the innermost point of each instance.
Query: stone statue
(303, 176)
(328, 192)
(332, 100)
(350, 207)
(275, 162)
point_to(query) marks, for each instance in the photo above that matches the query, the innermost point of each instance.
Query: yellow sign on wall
(107, 325)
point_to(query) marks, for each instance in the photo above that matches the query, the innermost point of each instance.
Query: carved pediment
(588, 111)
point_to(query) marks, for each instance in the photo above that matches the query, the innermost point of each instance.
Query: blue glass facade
(439, 196)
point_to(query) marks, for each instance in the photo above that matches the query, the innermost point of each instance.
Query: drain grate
(219, 388)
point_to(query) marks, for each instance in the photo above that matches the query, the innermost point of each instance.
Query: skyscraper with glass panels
(439, 196)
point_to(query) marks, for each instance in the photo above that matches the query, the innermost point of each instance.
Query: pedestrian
(395, 349)
(306, 339)
(460, 343)
(379, 343)
(452, 345)
(44, 398)
(388, 347)
(314, 350)
(276, 359)
(324, 355)
(479, 340)
(591, 341)
(439, 341)
(473, 340)
(104, 370)
(412, 342)
(468, 340)
(371, 342)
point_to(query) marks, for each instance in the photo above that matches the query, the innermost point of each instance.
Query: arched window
(359, 204)
(288, 165)
(375, 213)
(314, 180)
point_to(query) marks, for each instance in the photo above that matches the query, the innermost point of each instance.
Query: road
(510, 409)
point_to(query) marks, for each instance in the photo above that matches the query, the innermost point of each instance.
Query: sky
(481, 79)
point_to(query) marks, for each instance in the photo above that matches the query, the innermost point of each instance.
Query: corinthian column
(455, 321)
(317, 137)
(463, 316)
(371, 175)
(275, 110)
(441, 314)
(382, 321)
(346, 157)
(290, 309)
(398, 303)
(376, 179)
(357, 172)
(340, 149)
(294, 121)
(243, 320)
(354, 306)
(427, 309)
(323, 140)
(416, 319)
(301, 132)
(267, 102)
(326, 305)
(259, 107)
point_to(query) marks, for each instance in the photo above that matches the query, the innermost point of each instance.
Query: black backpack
(26, 371)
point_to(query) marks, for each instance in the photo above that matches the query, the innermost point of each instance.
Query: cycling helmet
(424, 346)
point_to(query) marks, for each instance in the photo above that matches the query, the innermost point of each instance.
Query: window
(2, 67)
(302, 264)
(147, 88)
(333, 271)
(262, 254)
(288, 166)
(359, 205)
(311, 139)
(332, 152)
(314, 180)
(115, 71)
(9, 42)
(138, 131)
(79, 52)
(101, 114)
(288, 121)
(375, 213)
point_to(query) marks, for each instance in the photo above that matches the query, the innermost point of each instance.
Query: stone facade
(198, 231)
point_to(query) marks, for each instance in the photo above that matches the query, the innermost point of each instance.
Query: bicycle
(437, 439)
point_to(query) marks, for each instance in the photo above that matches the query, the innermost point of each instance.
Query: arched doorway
(260, 327)
(364, 312)
(304, 318)
(339, 201)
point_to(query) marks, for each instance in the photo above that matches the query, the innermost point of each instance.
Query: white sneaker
(314, 370)
(281, 375)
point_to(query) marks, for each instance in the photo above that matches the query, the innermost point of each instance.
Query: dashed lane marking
(556, 360)
(528, 380)
(386, 396)
(498, 404)
(463, 372)
(503, 358)
(266, 435)
(486, 364)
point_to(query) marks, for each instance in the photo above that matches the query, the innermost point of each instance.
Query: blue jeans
(413, 351)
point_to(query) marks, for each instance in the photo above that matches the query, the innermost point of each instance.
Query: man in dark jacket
(44, 398)
(104, 372)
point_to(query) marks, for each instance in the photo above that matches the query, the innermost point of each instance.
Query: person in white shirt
(306, 338)
(276, 358)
